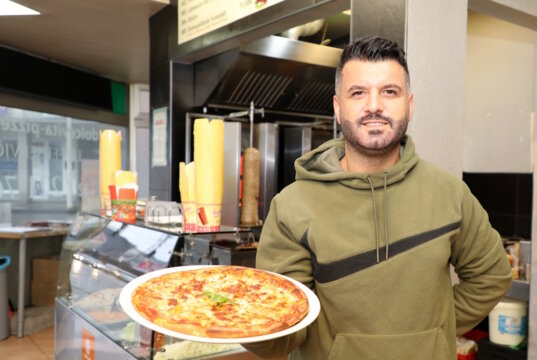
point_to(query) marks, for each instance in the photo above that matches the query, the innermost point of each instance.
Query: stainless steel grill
(314, 97)
(261, 88)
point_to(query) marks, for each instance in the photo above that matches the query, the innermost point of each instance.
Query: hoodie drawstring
(375, 215)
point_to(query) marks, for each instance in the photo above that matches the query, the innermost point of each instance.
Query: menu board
(198, 17)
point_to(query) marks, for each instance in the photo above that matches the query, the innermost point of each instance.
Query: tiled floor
(36, 346)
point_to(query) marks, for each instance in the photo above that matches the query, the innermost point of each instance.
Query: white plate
(126, 304)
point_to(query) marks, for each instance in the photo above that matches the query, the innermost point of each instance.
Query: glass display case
(100, 256)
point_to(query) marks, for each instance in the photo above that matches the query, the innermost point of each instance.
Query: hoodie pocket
(425, 345)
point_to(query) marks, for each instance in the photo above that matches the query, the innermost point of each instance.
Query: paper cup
(189, 217)
(124, 210)
(208, 217)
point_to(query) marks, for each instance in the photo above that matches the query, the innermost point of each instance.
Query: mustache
(388, 119)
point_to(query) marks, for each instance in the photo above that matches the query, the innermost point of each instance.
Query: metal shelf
(519, 290)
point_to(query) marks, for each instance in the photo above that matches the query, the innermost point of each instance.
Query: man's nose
(374, 103)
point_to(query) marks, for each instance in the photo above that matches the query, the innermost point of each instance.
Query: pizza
(221, 302)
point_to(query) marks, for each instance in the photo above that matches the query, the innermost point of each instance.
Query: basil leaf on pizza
(220, 299)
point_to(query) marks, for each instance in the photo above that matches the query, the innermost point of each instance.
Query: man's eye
(391, 92)
(357, 93)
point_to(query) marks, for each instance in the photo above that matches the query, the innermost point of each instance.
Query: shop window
(49, 164)
(56, 177)
(9, 186)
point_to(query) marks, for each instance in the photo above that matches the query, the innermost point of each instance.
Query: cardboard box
(44, 280)
(45, 269)
(43, 294)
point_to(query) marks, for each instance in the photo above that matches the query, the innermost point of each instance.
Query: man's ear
(410, 106)
(336, 108)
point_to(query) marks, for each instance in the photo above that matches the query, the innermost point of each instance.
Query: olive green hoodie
(376, 250)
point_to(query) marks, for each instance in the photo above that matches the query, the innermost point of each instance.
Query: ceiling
(109, 38)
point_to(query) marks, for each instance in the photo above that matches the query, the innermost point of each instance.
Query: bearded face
(374, 134)
(373, 106)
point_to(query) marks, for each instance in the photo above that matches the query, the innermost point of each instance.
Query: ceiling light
(8, 7)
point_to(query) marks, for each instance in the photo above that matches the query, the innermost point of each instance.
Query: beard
(377, 142)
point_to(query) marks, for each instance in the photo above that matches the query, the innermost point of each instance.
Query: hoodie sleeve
(280, 251)
(481, 263)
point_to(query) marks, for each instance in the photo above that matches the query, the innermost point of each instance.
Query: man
(372, 230)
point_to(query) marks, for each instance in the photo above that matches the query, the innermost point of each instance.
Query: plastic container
(508, 322)
(4, 304)
(471, 356)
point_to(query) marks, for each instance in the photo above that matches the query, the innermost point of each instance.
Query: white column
(532, 305)
(139, 135)
(436, 54)
(69, 163)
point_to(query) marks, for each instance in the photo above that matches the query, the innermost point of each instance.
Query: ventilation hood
(280, 75)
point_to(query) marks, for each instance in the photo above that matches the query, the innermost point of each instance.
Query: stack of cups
(109, 162)
(201, 182)
(188, 196)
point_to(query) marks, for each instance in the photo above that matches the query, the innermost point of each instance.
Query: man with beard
(373, 229)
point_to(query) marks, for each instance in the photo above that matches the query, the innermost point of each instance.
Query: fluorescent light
(8, 7)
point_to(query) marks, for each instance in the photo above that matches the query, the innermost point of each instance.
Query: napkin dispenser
(163, 213)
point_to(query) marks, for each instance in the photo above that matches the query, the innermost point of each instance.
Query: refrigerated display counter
(100, 256)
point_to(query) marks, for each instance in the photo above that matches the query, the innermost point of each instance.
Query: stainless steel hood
(281, 75)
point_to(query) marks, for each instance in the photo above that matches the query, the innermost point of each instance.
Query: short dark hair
(372, 48)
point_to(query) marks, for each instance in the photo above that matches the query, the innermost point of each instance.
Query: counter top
(26, 232)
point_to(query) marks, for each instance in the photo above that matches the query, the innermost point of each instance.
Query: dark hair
(372, 48)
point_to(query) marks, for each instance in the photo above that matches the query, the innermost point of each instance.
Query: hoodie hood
(322, 164)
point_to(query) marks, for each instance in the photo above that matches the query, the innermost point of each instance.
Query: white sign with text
(198, 17)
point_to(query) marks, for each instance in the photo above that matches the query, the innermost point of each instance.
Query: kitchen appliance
(233, 247)
(98, 258)
(293, 81)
